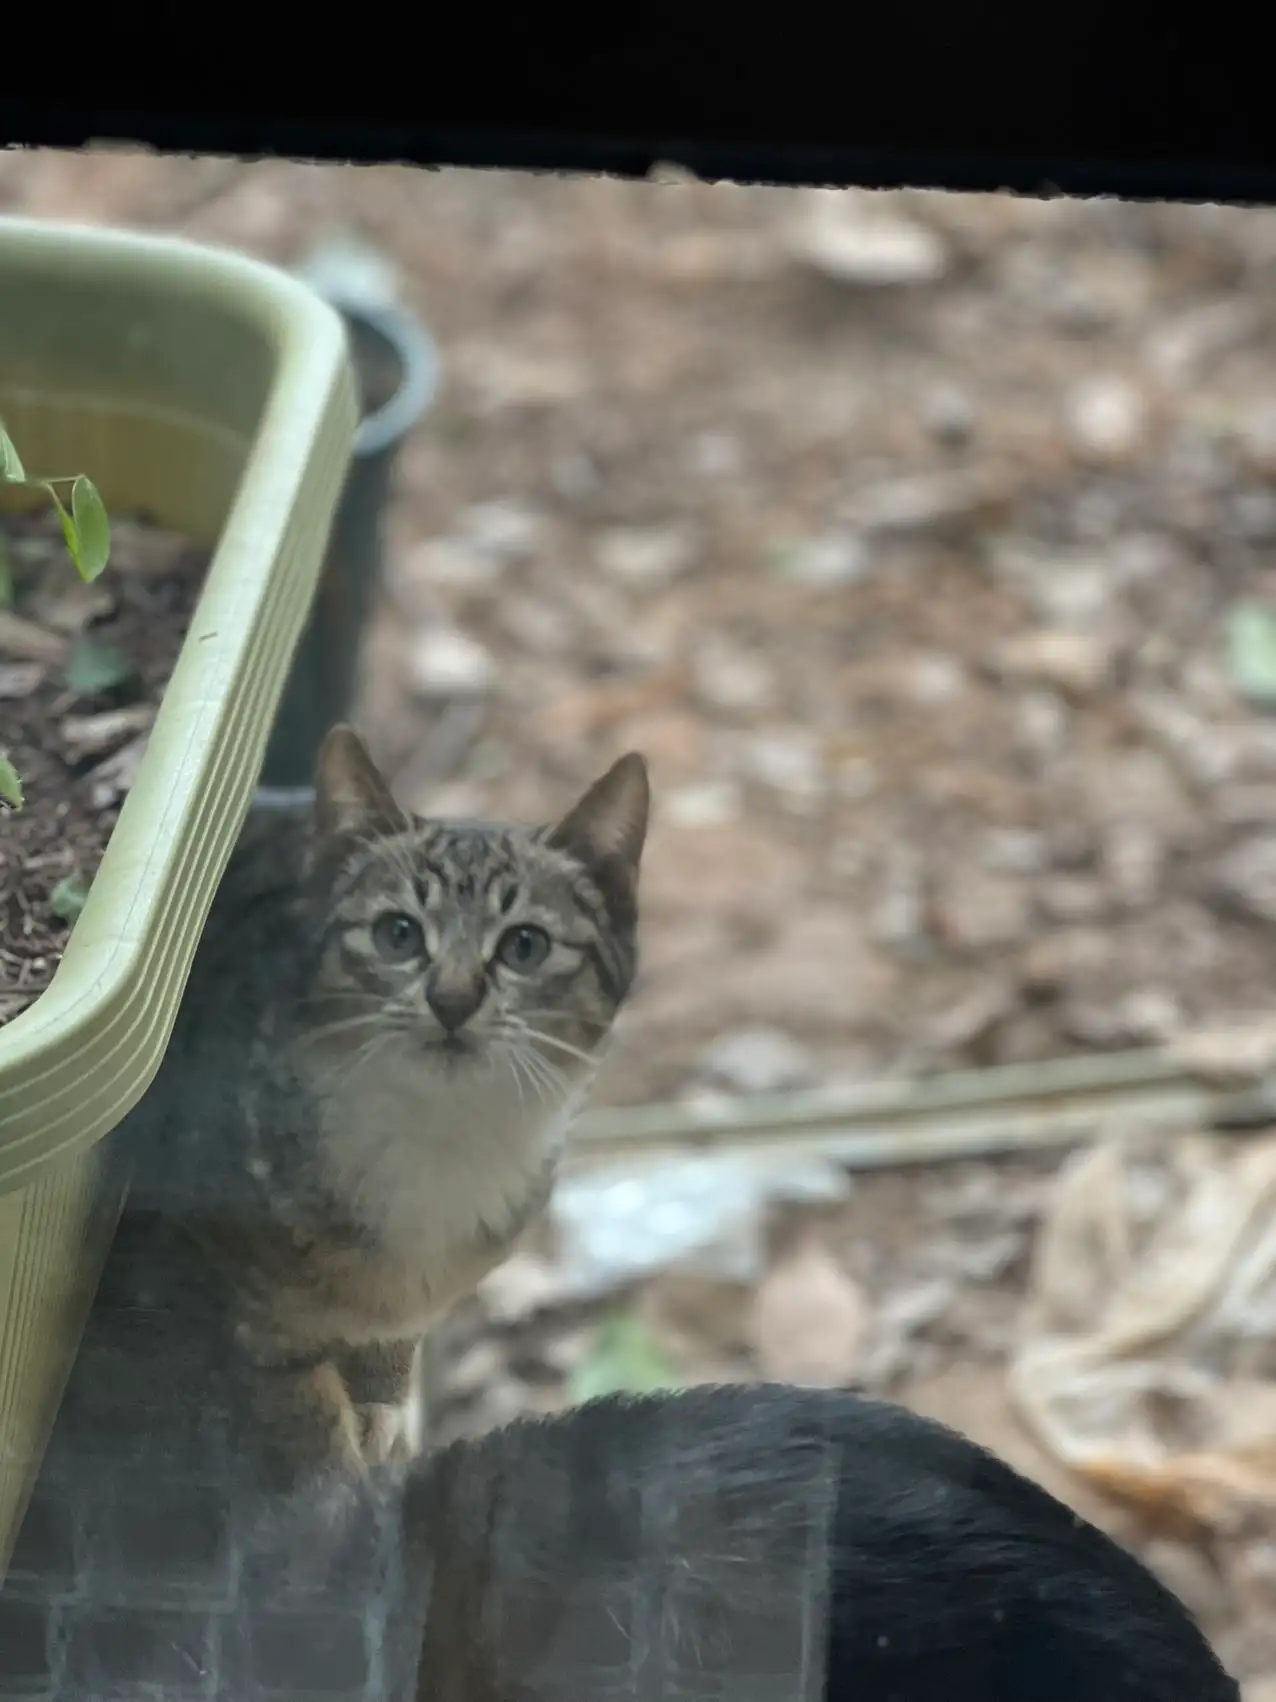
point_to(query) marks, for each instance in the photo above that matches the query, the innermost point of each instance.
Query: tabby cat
(390, 1024)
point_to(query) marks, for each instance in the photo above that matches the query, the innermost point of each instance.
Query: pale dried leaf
(19, 679)
(26, 641)
(810, 1319)
(94, 735)
(521, 1287)
(1242, 1051)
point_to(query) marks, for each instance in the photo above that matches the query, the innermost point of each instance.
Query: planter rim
(76, 1060)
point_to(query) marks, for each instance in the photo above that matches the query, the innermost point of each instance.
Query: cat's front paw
(388, 1434)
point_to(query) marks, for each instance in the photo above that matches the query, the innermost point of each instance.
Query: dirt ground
(926, 546)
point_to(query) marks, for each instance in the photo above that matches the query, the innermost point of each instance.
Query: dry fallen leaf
(19, 679)
(520, 1288)
(95, 735)
(810, 1319)
(27, 641)
(1225, 1054)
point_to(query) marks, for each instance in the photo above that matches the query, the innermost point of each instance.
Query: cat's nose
(454, 999)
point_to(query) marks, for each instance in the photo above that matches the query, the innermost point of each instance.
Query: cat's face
(470, 945)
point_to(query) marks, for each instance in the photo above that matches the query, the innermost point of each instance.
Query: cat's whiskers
(373, 1049)
(316, 1001)
(527, 1016)
(550, 1080)
(522, 1032)
(578, 1052)
(505, 1044)
(512, 1059)
(356, 1062)
(540, 1087)
(344, 1025)
(546, 1089)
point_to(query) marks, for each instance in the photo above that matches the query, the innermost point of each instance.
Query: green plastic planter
(214, 396)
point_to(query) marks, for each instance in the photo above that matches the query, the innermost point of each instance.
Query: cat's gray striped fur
(390, 1025)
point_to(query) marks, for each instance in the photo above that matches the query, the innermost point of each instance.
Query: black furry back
(956, 1578)
(773, 1542)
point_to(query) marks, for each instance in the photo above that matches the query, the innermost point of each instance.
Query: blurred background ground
(925, 544)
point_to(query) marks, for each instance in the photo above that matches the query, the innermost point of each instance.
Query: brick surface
(158, 1542)
(25, 1667)
(114, 1413)
(322, 1653)
(111, 1653)
(44, 1561)
(130, 1578)
(129, 1585)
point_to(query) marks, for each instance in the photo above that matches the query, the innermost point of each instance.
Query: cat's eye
(398, 937)
(524, 947)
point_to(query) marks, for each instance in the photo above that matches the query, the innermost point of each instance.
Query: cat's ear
(607, 828)
(349, 790)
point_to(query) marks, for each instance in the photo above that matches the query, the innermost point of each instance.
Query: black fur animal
(773, 1543)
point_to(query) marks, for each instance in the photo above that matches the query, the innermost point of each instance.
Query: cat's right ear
(350, 793)
(607, 828)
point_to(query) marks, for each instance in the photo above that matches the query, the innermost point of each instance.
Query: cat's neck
(426, 1153)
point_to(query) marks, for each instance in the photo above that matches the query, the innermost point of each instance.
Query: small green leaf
(69, 530)
(93, 528)
(11, 468)
(68, 897)
(625, 1359)
(95, 667)
(10, 784)
(1251, 650)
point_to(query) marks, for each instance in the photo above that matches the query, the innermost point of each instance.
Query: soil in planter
(82, 671)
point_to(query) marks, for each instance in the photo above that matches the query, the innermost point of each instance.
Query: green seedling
(82, 516)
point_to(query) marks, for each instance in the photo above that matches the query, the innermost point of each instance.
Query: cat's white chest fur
(430, 1153)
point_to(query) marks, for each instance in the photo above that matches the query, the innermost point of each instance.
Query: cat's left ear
(349, 791)
(607, 828)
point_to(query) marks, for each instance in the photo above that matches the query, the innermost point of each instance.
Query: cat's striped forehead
(476, 865)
